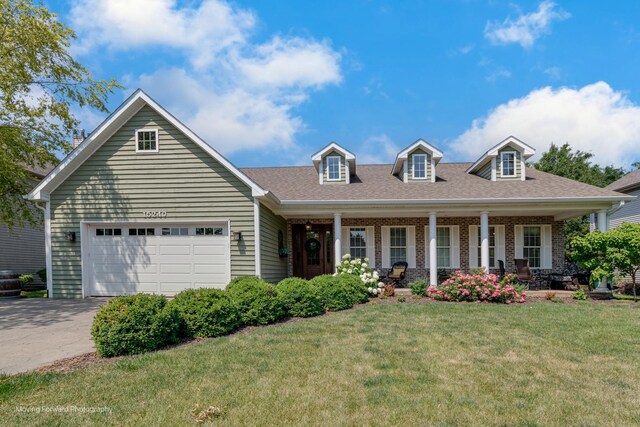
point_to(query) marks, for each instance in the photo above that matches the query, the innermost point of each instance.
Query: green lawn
(402, 364)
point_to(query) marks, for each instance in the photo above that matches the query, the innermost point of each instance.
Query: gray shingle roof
(375, 182)
(630, 180)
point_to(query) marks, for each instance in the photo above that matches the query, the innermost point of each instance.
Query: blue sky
(270, 82)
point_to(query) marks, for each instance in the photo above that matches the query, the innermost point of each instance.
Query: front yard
(379, 364)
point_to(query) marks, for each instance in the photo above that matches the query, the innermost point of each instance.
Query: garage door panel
(213, 249)
(175, 249)
(157, 264)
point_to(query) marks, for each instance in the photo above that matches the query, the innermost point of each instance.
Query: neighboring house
(630, 212)
(22, 249)
(145, 205)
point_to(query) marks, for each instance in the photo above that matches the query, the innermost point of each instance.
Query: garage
(156, 258)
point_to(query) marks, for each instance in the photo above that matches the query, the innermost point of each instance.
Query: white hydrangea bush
(361, 268)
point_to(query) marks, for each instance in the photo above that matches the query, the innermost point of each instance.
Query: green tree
(563, 161)
(39, 84)
(635, 165)
(604, 253)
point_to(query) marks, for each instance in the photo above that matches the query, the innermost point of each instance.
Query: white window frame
(405, 247)
(515, 159)
(360, 229)
(413, 167)
(450, 247)
(540, 247)
(328, 158)
(155, 131)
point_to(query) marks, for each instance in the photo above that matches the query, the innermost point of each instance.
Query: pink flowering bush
(478, 288)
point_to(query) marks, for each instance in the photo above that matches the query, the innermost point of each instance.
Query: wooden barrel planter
(9, 284)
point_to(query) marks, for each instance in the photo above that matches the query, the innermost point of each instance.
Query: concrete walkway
(35, 332)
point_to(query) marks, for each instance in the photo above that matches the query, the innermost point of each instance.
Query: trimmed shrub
(357, 288)
(299, 297)
(419, 287)
(256, 299)
(207, 312)
(135, 324)
(333, 293)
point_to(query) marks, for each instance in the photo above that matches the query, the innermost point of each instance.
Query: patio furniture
(525, 276)
(502, 270)
(397, 273)
(570, 278)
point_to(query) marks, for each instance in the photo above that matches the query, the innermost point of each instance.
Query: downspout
(47, 245)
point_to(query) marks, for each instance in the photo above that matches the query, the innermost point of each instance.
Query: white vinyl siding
(398, 244)
(496, 245)
(115, 184)
(359, 242)
(534, 242)
(447, 246)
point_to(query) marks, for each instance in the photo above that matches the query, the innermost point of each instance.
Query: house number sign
(154, 214)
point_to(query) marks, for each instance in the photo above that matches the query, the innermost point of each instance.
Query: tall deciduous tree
(563, 161)
(40, 82)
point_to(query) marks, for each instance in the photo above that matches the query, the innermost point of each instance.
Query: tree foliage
(40, 83)
(604, 253)
(563, 161)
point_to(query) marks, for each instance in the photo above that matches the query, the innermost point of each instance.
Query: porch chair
(526, 276)
(397, 273)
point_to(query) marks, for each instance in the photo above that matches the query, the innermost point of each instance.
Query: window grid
(358, 243)
(333, 168)
(142, 232)
(532, 245)
(108, 232)
(175, 231)
(443, 246)
(419, 166)
(508, 164)
(492, 247)
(147, 140)
(397, 244)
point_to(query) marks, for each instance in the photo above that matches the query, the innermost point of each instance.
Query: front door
(312, 250)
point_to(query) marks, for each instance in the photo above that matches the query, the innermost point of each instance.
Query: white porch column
(602, 226)
(337, 233)
(433, 251)
(484, 241)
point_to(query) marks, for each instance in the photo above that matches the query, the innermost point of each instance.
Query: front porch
(449, 242)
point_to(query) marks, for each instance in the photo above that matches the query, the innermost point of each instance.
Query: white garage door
(163, 259)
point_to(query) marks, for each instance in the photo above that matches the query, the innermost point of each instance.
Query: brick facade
(463, 223)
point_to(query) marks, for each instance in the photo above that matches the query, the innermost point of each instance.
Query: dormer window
(333, 168)
(147, 141)
(419, 166)
(508, 163)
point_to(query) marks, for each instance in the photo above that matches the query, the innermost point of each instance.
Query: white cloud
(235, 94)
(377, 149)
(125, 24)
(499, 73)
(526, 28)
(594, 118)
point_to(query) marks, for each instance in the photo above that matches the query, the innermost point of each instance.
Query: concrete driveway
(35, 332)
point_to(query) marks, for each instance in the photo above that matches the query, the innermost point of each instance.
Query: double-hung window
(397, 244)
(333, 168)
(419, 166)
(443, 246)
(532, 245)
(358, 242)
(492, 247)
(508, 163)
(147, 140)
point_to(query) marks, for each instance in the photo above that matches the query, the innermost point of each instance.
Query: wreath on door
(312, 245)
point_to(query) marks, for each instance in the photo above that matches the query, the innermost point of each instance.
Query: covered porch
(449, 238)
